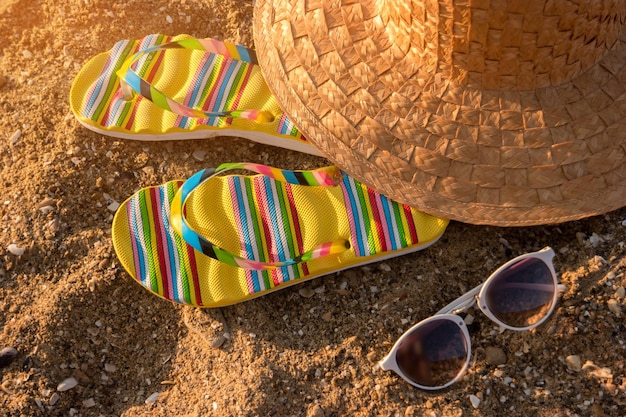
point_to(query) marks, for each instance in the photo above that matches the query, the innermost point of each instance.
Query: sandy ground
(70, 310)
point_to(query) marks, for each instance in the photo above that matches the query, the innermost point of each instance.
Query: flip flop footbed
(260, 219)
(197, 79)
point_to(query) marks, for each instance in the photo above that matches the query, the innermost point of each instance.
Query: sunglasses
(520, 295)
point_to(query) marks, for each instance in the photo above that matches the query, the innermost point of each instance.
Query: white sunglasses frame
(464, 302)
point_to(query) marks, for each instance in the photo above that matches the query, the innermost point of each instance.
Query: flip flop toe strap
(131, 83)
(328, 176)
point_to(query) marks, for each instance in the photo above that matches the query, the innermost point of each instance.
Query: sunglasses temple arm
(462, 303)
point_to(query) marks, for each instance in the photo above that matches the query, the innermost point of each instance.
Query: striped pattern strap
(327, 176)
(131, 83)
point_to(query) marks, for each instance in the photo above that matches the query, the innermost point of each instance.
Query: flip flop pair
(215, 240)
(172, 88)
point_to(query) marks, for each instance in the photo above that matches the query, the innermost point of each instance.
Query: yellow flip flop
(216, 240)
(172, 88)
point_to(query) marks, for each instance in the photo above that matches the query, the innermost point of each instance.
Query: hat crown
(503, 45)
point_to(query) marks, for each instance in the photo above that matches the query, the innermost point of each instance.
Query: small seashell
(15, 137)
(15, 250)
(218, 341)
(306, 292)
(67, 384)
(614, 306)
(169, 19)
(152, 398)
(7, 355)
(27, 54)
(573, 363)
(54, 399)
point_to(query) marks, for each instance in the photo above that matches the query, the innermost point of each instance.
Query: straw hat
(487, 112)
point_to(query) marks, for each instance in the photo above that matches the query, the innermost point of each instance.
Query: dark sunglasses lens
(433, 354)
(522, 294)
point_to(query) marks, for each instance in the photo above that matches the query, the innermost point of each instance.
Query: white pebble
(595, 239)
(474, 400)
(68, 384)
(113, 206)
(620, 293)
(169, 19)
(88, 403)
(152, 398)
(109, 367)
(15, 250)
(199, 155)
(15, 137)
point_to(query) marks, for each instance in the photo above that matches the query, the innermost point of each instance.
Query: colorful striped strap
(131, 83)
(326, 177)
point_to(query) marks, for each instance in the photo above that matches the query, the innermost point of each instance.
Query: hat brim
(505, 158)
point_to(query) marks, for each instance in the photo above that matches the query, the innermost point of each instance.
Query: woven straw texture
(487, 112)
